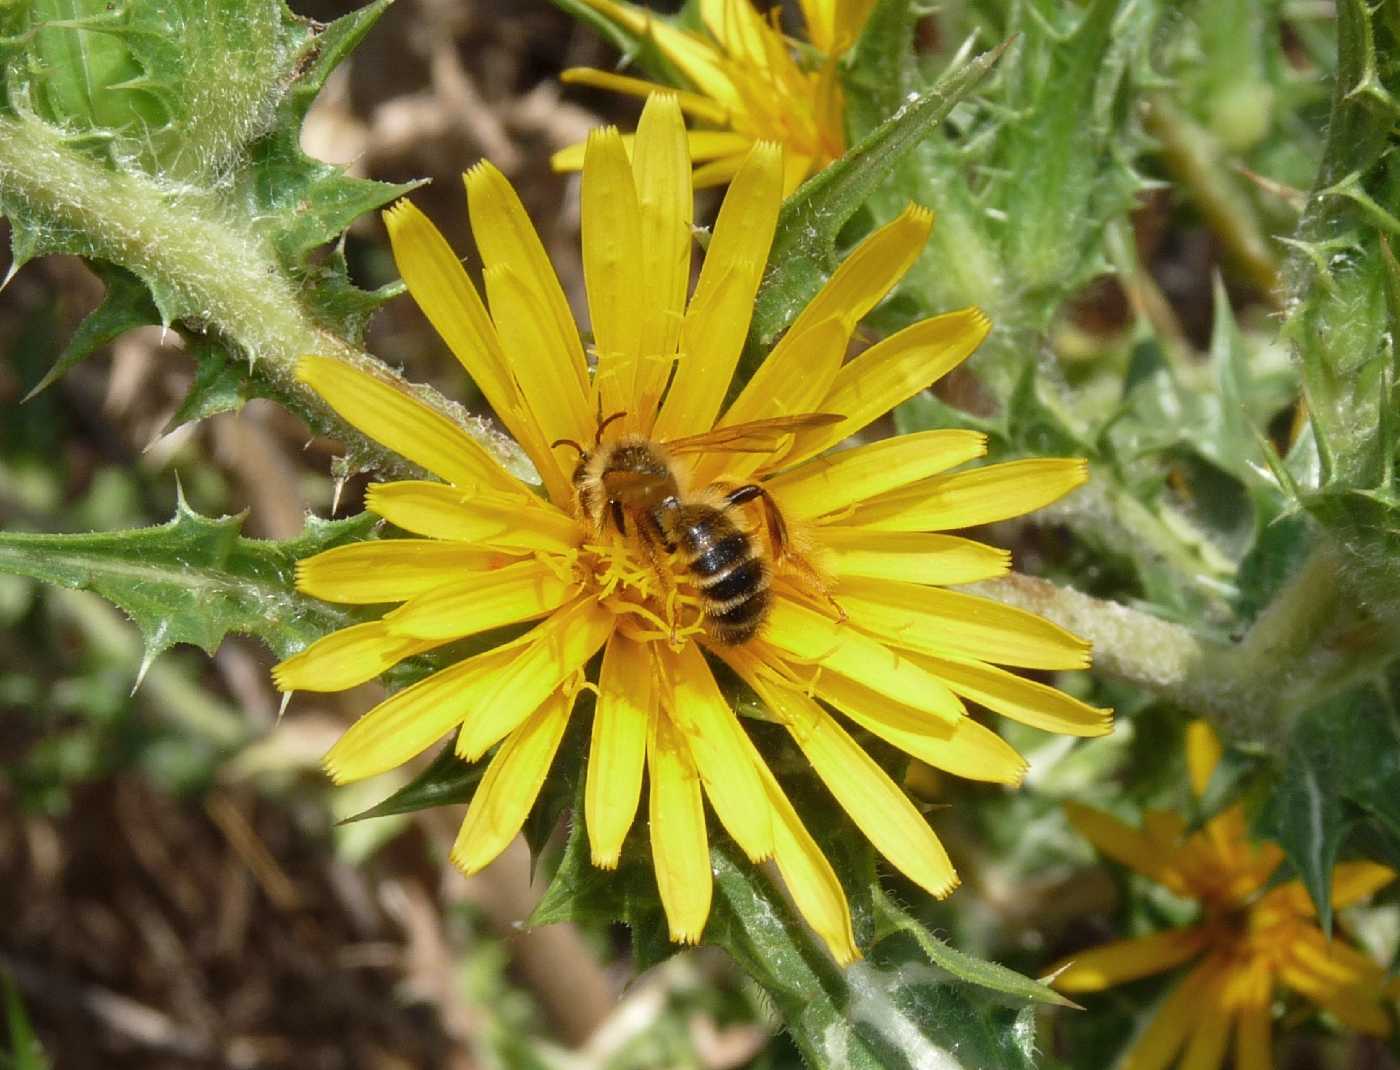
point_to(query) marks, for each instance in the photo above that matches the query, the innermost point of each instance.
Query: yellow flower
(745, 83)
(490, 551)
(1247, 942)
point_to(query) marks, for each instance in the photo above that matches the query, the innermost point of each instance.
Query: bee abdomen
(731, 579)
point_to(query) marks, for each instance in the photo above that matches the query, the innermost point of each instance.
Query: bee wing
(756, 436)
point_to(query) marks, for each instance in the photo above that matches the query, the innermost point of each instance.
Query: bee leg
(777, 527)
(653, 540)
(802, 569)
(619, 518)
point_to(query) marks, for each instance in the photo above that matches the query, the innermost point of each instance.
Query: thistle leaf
(194, 579)
(1342, 773)
(446, 782)
(161, 140)
(804, 247)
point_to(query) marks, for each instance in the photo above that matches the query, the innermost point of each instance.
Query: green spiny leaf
(804, 248)
(892, 1012)
(880, 73)
(1343, 763)
(1339, 322)
(989, 975)
(447, 782)
(126, 304)
(194, 579)
(211, 204)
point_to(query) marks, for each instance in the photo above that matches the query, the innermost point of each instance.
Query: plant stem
(1165, 658)
(1302, 648)
(1196, 160)
(204, 264)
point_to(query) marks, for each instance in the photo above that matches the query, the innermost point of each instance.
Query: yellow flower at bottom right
(1247, 944)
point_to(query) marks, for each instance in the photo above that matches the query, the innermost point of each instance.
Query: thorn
(154, 645)
(147, 659)
(15, 265)
(335, 498)
(181, 506)
(286, 698)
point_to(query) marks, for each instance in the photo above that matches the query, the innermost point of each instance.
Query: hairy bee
(634, 482)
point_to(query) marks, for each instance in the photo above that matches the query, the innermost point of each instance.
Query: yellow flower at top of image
(746, 83)
(674, 532)
(1250, 940)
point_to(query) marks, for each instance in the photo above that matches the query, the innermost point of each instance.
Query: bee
(634, 482)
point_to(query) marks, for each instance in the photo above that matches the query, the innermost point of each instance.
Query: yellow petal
(556, 398)
(694, 57)
(547, 359)
(967, 749)
(486, 600)
(1334, 962)
(720, 751)
(1202, 755)
(820, 17)
(810, 880)
(981, 496)
(389, 570)
(691, 103)
(1127, 960)
(661, 166)
(612, 265)
(914, 557)
(806, 636)
(700, 145)
(834, 25)
(1123, 844)
(1208, 1043)
(893, 371)
(443, 512)
(627, 700)
(838, 480)
(718, 172)
(796, 167)
(738, 29)
(679, 847)
(1354, 881)
(875, 802)
(795, 376)
(1027, 701)
(717, 321)
(411, 720)
(556, 651)
(1156, 1047)
(346, 658)
(1166, 827)
(851, 16)
(388, 414)
(1356, 1008)
(1254, 1045)
(444, 292)
(512, 781)
(871, 269)
(945, 623)
(780, 387)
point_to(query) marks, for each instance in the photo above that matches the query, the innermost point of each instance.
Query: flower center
(654, 599)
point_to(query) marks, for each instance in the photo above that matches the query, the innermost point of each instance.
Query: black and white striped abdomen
(731, 578)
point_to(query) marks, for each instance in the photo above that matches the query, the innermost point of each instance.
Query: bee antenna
(602, 424)
(569, 442)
